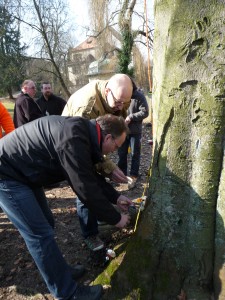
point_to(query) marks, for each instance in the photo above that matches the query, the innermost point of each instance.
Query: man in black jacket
(46, 151)
(136, 113)
(49, 103)
(25, 109)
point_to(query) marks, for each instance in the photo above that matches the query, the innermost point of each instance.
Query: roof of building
(89, 43)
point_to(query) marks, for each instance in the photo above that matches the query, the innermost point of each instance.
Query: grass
(9, 105)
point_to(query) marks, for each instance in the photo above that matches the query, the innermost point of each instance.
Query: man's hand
(123, 203)
(124, 221)
(127, 120)
(118, 176)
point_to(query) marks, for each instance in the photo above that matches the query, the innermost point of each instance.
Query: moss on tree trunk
(172, 252)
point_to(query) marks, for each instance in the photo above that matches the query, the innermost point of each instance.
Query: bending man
(97, 98)
(46, 151)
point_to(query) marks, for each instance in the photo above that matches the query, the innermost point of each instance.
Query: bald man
(100, 97)
(97, 98)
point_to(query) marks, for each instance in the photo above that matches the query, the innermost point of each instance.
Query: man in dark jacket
(49, 103)
(97, 98)
(137, 111)
(46, 151)
(25, 109)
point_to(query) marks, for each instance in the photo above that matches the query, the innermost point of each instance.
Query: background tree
(125, 25)
(98, 11)
(48, 24)
(141, 69)
(178, 251)
(120, 15)
(52, 18)
(11, 53)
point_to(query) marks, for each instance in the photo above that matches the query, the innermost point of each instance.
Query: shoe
(94, 243)
(88, 292)
(132, 181)
(77, 271)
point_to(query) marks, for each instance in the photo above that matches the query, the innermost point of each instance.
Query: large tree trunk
(171, 256)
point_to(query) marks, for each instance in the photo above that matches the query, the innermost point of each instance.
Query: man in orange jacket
(6, 122)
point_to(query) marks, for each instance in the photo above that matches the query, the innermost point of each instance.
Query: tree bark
(10, 93)
(219, 267)
(171, 255)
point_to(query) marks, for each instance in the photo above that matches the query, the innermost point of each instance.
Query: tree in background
(11, 53)
(119, 15)
(98, 11)
(125, 25)
(178, 250)
(48, 24)
(141, 70)
(52, 18)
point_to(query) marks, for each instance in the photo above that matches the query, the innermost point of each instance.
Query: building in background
(94, 60)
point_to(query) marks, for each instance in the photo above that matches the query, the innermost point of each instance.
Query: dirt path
(19, 277)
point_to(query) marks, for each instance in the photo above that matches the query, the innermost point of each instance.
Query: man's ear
(107, 137)
(107, 90)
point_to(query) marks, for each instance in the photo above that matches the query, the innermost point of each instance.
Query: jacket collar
(96, 146)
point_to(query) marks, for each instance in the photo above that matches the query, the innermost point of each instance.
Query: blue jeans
(134, 141)
(88, 221)
(28, 210)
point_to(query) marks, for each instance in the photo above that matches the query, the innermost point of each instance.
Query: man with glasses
(100, 97)
(97, 98)
(25, 109)
(31, 156)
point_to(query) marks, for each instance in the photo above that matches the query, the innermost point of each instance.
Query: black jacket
(53, 106)
(137, 111)
(25, 110)
(55, 148)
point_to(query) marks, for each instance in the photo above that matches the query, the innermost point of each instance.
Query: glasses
(32, 87)
(117, 101)
(114, 141)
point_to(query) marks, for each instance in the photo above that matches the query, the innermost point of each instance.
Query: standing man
(25, 109)
(137, 111)
(46, 151)
(49, 103)
(97, 98)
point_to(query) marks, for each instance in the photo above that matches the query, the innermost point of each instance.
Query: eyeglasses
(114, 141)
(117, 101)
(32, 87)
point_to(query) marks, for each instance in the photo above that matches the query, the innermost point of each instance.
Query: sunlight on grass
(9, 105)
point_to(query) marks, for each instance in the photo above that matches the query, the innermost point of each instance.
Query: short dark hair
(113, 125)
(44, 82)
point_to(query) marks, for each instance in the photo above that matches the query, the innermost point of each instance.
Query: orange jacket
(6, 122)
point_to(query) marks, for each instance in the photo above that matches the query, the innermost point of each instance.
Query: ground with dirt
(19, 277)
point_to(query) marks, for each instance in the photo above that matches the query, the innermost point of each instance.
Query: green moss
(105, 277)
(135, 283)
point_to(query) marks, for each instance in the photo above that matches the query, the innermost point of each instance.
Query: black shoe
(88, 292)
(77, 271)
